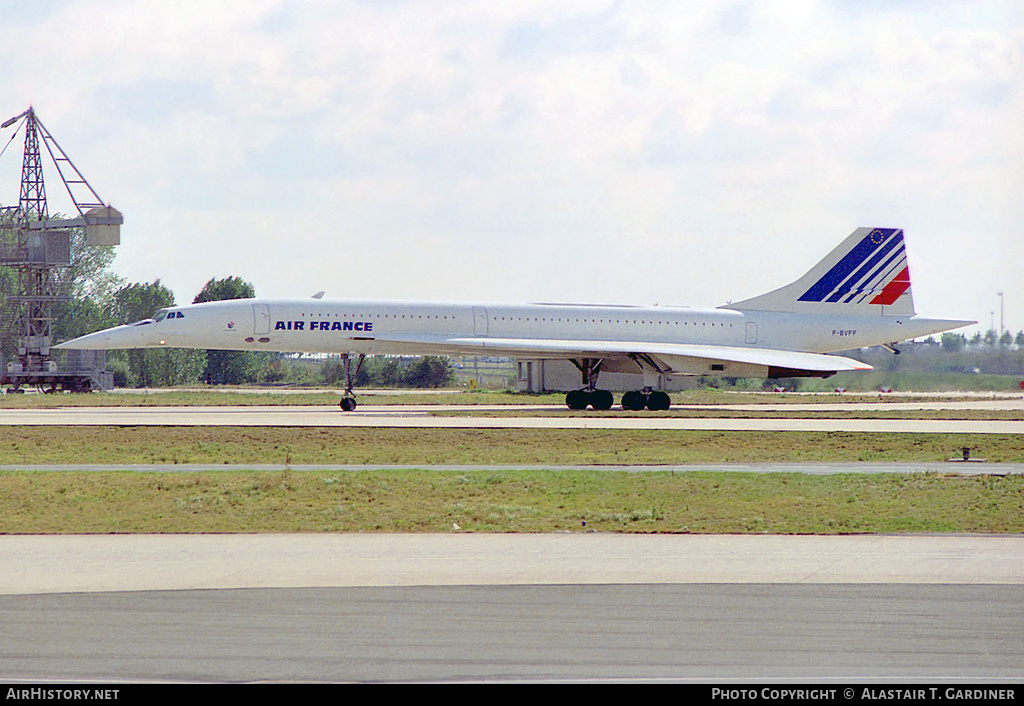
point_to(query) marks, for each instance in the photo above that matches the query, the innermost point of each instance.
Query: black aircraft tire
(634, 401)
(601, 399)
(658, 401)
(577, 399)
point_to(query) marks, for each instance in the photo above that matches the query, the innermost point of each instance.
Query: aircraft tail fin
(866, 273)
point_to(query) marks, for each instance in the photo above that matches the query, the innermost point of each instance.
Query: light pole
(1000, 295)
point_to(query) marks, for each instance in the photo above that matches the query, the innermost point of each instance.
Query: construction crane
(38, 249)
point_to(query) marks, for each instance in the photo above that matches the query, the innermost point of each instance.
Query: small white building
(539, 375)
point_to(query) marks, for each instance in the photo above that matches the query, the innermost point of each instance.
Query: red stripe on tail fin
(894, 289)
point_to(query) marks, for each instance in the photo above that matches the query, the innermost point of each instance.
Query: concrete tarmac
(426, 417)
(771, 634)
(87, 563)
(578, 607)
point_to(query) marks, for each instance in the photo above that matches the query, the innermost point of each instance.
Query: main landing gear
(590, 396)
(581, 399)
(654, 400)
(348, 399)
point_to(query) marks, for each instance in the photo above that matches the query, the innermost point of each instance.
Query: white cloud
(536, 150)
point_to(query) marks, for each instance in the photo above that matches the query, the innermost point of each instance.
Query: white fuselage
(391, 327)
(858, 295)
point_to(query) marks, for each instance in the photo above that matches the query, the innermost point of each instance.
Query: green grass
(489, 501)
(383, 445)
(330, 396)
(941, 381)
(269, 396)
(506, 501)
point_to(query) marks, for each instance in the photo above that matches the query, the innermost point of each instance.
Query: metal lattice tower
(38, 248)
(32, 202)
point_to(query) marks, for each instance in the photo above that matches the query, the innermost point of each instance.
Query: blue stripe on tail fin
(858, 269)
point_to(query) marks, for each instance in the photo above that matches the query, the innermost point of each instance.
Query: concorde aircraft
(858, 295)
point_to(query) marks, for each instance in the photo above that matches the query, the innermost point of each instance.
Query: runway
(456, 607)
(430, 416)
(718, 634)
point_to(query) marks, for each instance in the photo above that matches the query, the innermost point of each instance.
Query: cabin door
(479, 321)
(261, 319)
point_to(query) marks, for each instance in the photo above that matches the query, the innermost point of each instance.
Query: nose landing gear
(348, 399)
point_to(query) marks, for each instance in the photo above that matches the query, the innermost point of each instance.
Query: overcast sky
(627, 152)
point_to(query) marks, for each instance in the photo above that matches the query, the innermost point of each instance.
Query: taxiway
(431, 416)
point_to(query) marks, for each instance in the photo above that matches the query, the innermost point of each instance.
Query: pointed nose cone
(135, 335)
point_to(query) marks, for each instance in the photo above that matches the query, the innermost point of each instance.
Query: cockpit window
(160, 315)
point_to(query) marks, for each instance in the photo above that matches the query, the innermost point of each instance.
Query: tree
(393, 371)
(228, 367)
(90, 275)
(78, 317)
(389, 372)
(149, 367)
(953, 342)
(90, 285)
(430, 371)
(138, 301)
(217, 290)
